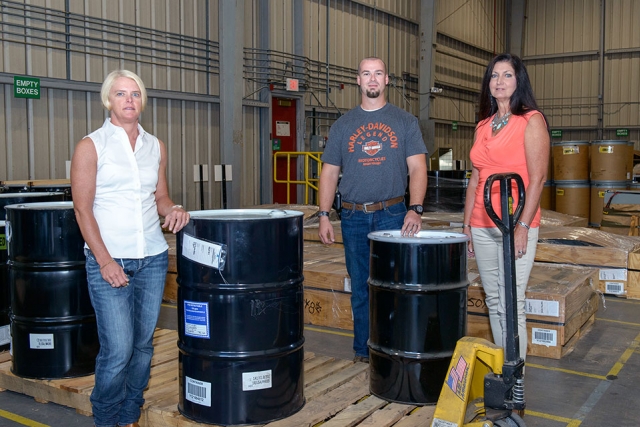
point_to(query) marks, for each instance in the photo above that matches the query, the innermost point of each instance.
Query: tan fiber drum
(609, 161)
(570, 161)
(572, 198)
(598, 193)
(546, 197)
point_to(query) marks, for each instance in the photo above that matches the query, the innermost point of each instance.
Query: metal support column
(231, 23)
(427, 68)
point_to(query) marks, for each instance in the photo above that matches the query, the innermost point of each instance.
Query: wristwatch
(417, 209)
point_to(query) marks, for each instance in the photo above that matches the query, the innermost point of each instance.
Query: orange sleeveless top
(499, 154)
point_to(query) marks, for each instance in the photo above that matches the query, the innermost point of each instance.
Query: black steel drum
(33, 197)
(446, 190)
(53, 186)
(11, 198)
(418, 312)
(38, 186)
(5, 294)
(53, 325)
(240, 316)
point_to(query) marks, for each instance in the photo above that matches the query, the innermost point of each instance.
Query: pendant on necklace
(499, 123)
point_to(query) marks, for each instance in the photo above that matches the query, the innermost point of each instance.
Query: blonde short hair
(112, 77)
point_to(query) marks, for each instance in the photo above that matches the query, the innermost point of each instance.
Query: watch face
(417, 208)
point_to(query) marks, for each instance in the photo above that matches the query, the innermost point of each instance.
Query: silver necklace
(499, 123)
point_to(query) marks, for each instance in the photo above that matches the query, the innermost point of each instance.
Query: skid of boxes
(574, 266)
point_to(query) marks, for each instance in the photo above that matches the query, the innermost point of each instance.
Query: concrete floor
(595, 385)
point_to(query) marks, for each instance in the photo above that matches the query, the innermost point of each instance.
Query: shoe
(361, 359)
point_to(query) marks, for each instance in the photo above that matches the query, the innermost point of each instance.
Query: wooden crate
(328, 308)
(617, 257)
(336, 393)
(555, 292)
(544, 339)
(170, 285)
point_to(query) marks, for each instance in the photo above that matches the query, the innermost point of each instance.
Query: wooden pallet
(336, 392)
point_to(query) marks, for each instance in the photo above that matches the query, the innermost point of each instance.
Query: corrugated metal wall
(583, 57)
(170, 44)
(469, 34)
(581, 75)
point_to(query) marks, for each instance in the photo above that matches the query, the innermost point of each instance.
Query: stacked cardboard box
(616, 257)
(560, 304)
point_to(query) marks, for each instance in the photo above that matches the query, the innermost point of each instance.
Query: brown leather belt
(373, 206)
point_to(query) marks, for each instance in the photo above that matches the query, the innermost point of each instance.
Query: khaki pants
(488, 247)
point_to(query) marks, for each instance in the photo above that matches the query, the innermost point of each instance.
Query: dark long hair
(522, 99)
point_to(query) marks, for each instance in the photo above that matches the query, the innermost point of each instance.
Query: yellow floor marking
(625, 356)
(548, 416)
(344, 334)
(566, 371)
(20, 420)
(619, 322)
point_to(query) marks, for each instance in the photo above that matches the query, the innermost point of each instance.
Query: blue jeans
(356, 225)
(126, 319)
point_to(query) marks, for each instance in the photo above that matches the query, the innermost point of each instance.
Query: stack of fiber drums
(584, 171)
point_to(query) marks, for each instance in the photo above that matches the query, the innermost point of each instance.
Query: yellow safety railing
(310, 182)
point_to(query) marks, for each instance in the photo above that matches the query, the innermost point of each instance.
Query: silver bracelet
(524, 225)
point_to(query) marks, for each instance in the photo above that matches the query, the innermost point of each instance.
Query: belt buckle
(364, 206)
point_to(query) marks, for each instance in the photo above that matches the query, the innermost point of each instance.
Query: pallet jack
(484, 386)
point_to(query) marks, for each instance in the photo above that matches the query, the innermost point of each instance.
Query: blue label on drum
(196, 319)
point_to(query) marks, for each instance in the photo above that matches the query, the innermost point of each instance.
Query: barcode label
(546, 337)
(198, 392)
(614, 288)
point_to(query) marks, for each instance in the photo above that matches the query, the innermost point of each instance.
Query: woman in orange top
(512, 136)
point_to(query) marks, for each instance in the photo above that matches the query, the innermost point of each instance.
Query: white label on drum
(196, 319)
(545, 337)
(202, 252)
(542, 307)
(198, 392)
(256, 380)
(5, 335)
(347, 284)
(41, 341)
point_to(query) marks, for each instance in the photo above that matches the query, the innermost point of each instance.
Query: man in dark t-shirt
(376, 146)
